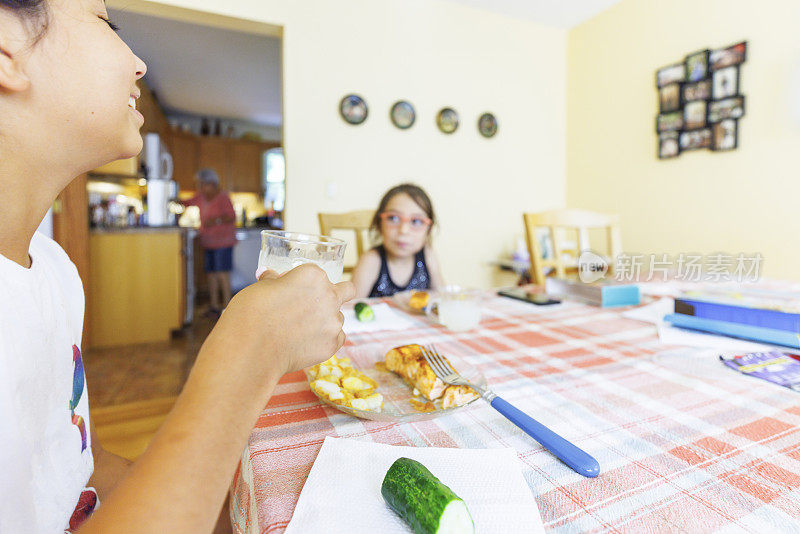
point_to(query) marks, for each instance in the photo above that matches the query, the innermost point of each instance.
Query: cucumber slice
(423, 502)
(363, 312)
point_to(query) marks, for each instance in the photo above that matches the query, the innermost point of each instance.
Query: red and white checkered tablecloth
(684, 444)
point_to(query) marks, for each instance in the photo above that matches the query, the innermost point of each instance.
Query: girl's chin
(132, 147)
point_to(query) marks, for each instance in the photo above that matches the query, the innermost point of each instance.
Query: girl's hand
(295, 318)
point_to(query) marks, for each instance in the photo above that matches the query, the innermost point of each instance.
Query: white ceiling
(559, 13)
(207, 71)
(203, 70)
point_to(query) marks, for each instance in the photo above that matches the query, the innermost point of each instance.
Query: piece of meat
(408, 362)
(457, 396)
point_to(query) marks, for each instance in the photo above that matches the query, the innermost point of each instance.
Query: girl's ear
(12, 78)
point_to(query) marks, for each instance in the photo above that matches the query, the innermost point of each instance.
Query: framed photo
(694, 139)
(694, 115)
(402, 114)
(670, 97)
(726, 83)
(487, 125)
(670, 74)
(725, 135)
(697, 66)
(697, 91)
(730, 108)
(669, 121)
(668, 146)
(725, 57)
(447, 120)
(353, 109)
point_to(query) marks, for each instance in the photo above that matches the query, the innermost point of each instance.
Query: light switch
(330, 190)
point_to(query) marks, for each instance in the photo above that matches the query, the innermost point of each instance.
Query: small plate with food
(390, 384)
(413, 301)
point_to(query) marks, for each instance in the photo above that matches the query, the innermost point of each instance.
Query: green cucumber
(423, 502)
(364, 312)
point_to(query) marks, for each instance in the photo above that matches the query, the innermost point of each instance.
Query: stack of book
(605, 294)
(755, 315)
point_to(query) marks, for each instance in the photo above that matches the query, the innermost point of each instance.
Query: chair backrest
(556, 222)
(357, 221)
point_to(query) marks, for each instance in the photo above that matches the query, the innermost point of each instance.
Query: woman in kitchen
(67, 105)
(217, 237)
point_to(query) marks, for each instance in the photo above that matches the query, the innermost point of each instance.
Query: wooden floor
(132, 388)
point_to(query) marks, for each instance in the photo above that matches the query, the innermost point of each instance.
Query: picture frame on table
(729, 108)
(697, 66)
(726, 83)
(726, 57)
(697, 91)
(668, 145)
(725, 135)
(695, 139)
(669, 98)
(669, 121)
(694, 115)
(670, 74)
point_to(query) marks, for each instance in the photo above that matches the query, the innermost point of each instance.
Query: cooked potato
(337, 381)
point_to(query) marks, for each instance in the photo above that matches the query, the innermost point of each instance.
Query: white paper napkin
(385, 319)
(343, 490)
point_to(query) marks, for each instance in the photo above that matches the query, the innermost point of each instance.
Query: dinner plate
(397, 395)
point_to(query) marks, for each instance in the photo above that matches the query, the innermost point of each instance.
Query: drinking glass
(283, 251)
(458, 308)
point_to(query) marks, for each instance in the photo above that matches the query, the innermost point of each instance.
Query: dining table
(684, 443)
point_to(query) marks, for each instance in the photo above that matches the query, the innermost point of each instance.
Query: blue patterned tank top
(385, 287)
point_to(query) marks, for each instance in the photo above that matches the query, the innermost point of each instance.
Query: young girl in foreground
(404, 260)
(68, 105)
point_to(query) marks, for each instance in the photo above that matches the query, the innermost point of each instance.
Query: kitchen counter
(137, 229)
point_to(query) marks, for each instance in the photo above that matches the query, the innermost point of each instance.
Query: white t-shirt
(45, 443)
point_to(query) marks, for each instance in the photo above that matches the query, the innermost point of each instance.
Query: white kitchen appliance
(160, 187)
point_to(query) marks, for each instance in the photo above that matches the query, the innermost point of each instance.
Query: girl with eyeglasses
(404, 259)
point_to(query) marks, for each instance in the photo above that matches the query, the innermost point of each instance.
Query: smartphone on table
(520, 293)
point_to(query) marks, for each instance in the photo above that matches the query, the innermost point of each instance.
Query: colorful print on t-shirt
(78, 380)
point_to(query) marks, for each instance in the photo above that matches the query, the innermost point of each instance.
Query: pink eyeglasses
(415, 223)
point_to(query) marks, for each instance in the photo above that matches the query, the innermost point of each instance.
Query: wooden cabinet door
(215, 154)
(184, 150)
(246, 158)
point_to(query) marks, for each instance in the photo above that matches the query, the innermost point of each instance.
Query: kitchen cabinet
(239, 163)
(137, 286)
(185, 150)
(246, 162)
(215, 153)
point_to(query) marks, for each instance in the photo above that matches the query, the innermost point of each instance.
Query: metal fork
(580, 462)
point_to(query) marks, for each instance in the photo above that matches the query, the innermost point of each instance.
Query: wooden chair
(357, 221)
(558, 222)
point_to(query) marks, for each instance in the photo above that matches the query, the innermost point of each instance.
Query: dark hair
(416, 193)
(30, 11)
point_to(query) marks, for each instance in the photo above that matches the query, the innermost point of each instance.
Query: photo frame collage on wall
(700, 102)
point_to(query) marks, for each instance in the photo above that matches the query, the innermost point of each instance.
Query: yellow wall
(435, 54)
(740, 201)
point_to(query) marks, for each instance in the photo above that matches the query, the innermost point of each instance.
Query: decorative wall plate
(487, 125)
(353, 109)
(402, 114)
(447, 120)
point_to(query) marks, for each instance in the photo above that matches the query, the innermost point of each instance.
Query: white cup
(458, 308)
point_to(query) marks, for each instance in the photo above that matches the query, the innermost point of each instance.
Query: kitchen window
(274, 179)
